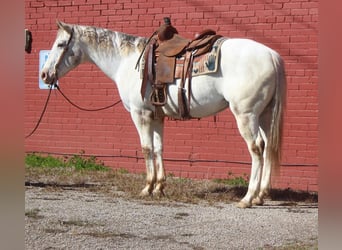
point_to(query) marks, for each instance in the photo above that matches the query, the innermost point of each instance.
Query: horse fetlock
(147, 151)
(244, 204)
(160, 185)
(158, 193)
(147, 191)
(161, 180)
(264, 191)
(259, 201)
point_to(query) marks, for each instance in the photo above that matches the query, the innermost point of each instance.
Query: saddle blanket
(204, 64)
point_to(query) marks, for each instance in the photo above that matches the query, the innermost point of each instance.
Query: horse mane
(111, 41)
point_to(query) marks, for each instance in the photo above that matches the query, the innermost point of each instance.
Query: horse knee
(147, 152)
(261, 145)
(258, 149)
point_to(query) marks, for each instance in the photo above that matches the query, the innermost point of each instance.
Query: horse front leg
(158, 130)
(142, 120)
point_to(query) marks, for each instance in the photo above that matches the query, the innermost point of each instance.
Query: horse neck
(111, 51)
(105, 59)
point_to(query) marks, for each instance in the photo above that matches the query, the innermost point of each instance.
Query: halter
(65, 49)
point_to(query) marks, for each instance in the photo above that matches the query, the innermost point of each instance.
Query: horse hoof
(144, 193)
(243, 204)
(158, 193)
(258, 201)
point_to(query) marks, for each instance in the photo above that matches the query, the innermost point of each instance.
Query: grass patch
(78, 162)
(36, 160)
(122, 171)
(240, 181)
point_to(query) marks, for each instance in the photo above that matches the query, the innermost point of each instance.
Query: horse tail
(277, 106)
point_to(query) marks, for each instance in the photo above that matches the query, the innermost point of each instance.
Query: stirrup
(158, 96)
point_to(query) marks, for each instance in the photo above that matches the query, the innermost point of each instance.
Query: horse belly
(205, 99)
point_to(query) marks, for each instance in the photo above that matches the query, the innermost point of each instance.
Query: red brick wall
(209, 148)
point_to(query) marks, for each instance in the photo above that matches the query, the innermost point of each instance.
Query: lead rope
(42, 114)
(72, 103)
(85, 109)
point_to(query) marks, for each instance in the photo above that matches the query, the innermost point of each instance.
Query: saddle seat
(178, 44)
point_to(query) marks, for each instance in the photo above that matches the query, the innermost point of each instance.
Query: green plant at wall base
(78, 162)
(36, 160)
(234, 181)
(122, 171)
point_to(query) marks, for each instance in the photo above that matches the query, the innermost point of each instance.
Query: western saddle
(163, 51)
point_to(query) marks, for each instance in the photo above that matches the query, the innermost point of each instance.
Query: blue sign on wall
(43, 56)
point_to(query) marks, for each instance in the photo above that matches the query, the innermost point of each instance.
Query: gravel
(77, 218)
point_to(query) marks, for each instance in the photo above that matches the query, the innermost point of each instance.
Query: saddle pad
(204, 64)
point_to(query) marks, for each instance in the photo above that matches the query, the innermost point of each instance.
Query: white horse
(250, 81)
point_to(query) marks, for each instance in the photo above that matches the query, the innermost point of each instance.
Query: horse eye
(61, 45)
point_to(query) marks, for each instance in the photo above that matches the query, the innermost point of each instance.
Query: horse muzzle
(48, 78)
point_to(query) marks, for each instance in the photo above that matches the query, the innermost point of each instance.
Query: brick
(299, 12)
(239, 7)
(224, 8)
(248, 13)
(154, 10)
(39, 4)
(64, 3)
(195, 15)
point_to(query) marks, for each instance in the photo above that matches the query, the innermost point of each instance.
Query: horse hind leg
(258, 200)
(249, 129)
(265, 121)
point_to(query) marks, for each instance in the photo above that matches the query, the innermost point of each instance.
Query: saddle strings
(142, 52)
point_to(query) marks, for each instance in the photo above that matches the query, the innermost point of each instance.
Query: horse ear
(64, 26)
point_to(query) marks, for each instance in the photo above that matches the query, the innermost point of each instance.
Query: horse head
(65, 54)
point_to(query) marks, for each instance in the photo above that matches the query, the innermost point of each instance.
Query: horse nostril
(43, 76)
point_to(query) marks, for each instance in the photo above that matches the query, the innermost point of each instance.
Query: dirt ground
(71, 210)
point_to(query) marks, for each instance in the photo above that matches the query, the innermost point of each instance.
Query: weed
(83, 163)
(122, 171)
(234, 181)
(171, 175)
